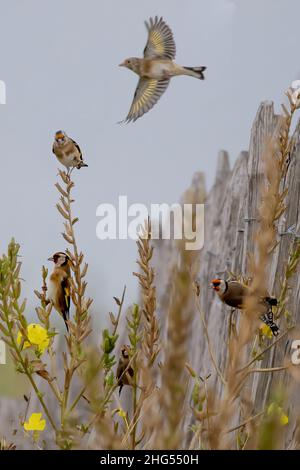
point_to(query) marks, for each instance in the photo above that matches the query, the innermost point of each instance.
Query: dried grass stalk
(150, 343)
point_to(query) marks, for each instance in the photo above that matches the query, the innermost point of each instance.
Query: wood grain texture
(230, 223)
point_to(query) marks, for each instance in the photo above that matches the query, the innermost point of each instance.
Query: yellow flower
(19, 340)
(37, 336)
(122, 413)
(284, 419)
(35, 423)
(266, 331)
(276, 409)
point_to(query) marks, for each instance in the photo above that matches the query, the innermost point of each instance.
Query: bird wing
(78, 148)
(55, 150)
(160, 42)
(147, 93)
(64, 299)
(235, 295)
(120, 370)
(124, 372)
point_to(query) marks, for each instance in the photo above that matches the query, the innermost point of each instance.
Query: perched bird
(67, 151)
(156, 68)
(125, 372)
(234, 294)
(59, 285)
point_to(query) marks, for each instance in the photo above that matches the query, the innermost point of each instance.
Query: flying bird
(156, 68)
(67, 151)
(125, 372)
(234, 294)
(59, 285)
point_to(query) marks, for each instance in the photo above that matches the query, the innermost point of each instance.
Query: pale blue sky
(59, 62)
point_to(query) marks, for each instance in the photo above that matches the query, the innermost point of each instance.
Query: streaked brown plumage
(125, 372)
(156, 68)
(234, 294)
(59, 285)
(67, 151)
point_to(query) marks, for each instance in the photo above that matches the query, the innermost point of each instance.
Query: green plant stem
(64, 402)
(267, 369)
(134, 407)
(212, 356)
(31, 379)
(251, 418)
(76, 256)
(100, 364)
(253, 371)
(107, 396)
(265, 350)
(55, 391)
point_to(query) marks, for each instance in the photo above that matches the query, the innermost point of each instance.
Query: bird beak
(122, 64)
(50, 259)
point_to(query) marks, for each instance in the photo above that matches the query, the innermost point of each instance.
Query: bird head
(60, 137)
(219, 285)
(59, 259)
(132, 63)
(125, 351)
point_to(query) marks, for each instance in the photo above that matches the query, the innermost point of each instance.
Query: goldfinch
(234, 294)
(59, 285)
(67, 151)
(125, 372)
(156, 68)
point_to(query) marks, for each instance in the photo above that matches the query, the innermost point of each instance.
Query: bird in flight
(156, 68)
(67, 151)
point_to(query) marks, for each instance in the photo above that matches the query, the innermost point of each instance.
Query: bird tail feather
(274, 328)
(81, 165)
(66, 323)
(66, 316)
(267, 318)
(196, 72)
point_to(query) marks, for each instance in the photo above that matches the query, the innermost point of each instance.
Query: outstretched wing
(147, 93)
(160, 42)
